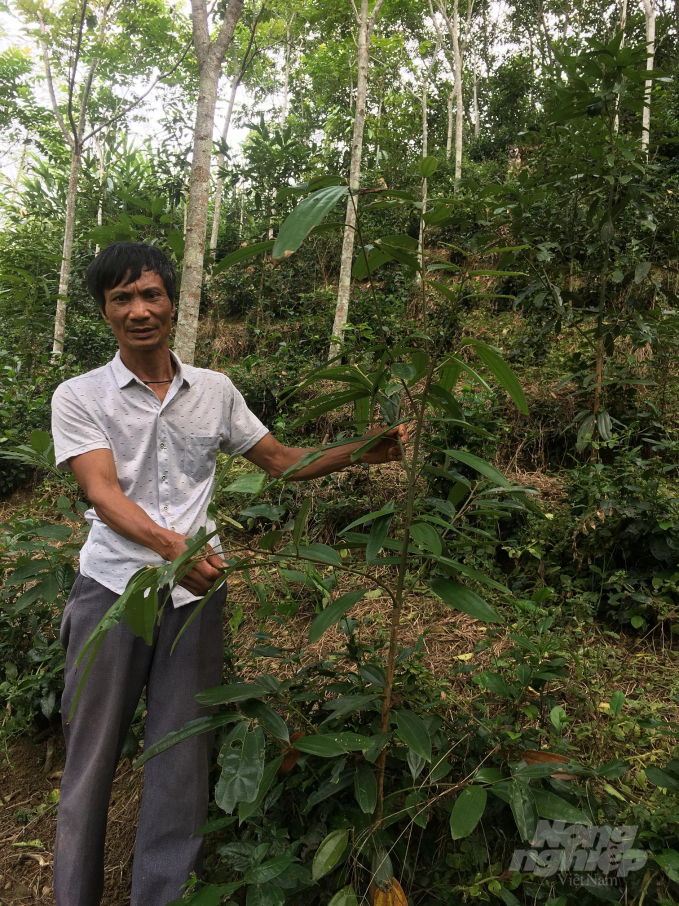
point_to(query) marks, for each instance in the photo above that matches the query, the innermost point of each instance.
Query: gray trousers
(175, 798)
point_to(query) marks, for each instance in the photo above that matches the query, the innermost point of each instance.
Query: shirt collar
(124, 377)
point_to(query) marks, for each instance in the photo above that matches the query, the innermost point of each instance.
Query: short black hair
(128, 259)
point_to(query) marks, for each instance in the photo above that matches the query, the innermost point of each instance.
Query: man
(141, 435)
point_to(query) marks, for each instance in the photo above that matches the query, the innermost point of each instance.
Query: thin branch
(74, 72)
(50, 83)
(373, 16)
(141, 97)
(356, 15)
(225, 35)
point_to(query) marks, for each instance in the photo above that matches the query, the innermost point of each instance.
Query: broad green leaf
(190, 729)
(389, 508)
(267, 871)
(479, 465)
(267, 718)
(523, 808)
(344, 897)
(551, 806)
(231, 692)
(362, 413)
(641, 271)
(367, 264)
(242, 761)
(502, 372)
(329, 853)
(319, 553)
(265, 510)
(445, 291)
(378, 535)
(252, 483)
(661, 778)
(462, 598)
(616, 703)
(332, 613)
(269, 775)
(140, 613)
(304, 217)
(428, 166)
(412, 730)
(426, 536)
(323, 746)
(249, 251)
(40, 441)
(327, 403)
(467, 811)
(365, 788)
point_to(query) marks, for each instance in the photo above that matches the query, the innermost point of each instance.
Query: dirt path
(29, 787)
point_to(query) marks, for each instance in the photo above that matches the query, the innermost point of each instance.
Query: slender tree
(454, 53)
(649, 15)
(210, 54)
(366, 23)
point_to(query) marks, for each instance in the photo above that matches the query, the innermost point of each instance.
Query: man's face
(140, 313)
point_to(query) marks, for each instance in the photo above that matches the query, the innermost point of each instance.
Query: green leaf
(300, 522)
(344, 897)
(252, 483)
(365, 788)
(616, 703)
(378, 535)
(249, 251)
(367, 264)
(190, 729)
(232, 692)
(267, 718)
(242, 761)
(412, 730)
(323, 746)
(551, 806)
(306, 215)
(661, 778)
(141, 612)
(329, 853)
(467, 811)
(502, 372)
(428, 166)
(40, 441)
(319, 553)
(389, 508)
(641, 271)
(426, 536)
(523, 808)
(267, 871)
(332, 613)
(479, 465)
(245, 809)
(462, 598)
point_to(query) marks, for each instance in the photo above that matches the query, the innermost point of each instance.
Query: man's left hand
(387, 448)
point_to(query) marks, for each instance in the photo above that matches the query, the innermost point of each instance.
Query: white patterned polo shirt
(165, 453)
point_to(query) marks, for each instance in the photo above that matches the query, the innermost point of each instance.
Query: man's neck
(153, 365)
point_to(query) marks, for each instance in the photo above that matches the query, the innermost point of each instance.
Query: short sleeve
(242, 429)
(74, 431)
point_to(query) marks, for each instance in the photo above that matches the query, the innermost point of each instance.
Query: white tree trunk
(219, 185)
(649, 14)
(102, 173)
(286, 76)
(425, 144)
(67, 248)
(459, 102)
(477, 121)
(449, 137)
(210, 58)
(365, 24)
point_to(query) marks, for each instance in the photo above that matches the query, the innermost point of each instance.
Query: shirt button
(163, 477)
(166, 508)
(162, 446)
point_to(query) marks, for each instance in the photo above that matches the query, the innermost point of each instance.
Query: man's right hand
(203, 574)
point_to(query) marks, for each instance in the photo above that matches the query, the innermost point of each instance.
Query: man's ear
(102, 311)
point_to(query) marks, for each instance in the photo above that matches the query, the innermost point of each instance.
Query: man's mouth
(142, 332)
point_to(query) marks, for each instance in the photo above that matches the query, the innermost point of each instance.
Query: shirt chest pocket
(200, 453)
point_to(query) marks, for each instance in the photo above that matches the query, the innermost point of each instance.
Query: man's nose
(139, 307)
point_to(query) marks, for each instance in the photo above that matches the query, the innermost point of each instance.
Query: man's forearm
(129, 520)
(333, 460)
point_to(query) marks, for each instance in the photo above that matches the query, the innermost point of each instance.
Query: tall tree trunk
(101, 150)
(425, 145)
(365, 26)
(219, 185)
(286, 77)
(210, 56)
(649, 14)
(459, 103)
(66, 250)
(477, 123)
(449, 136)
(377, 125)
